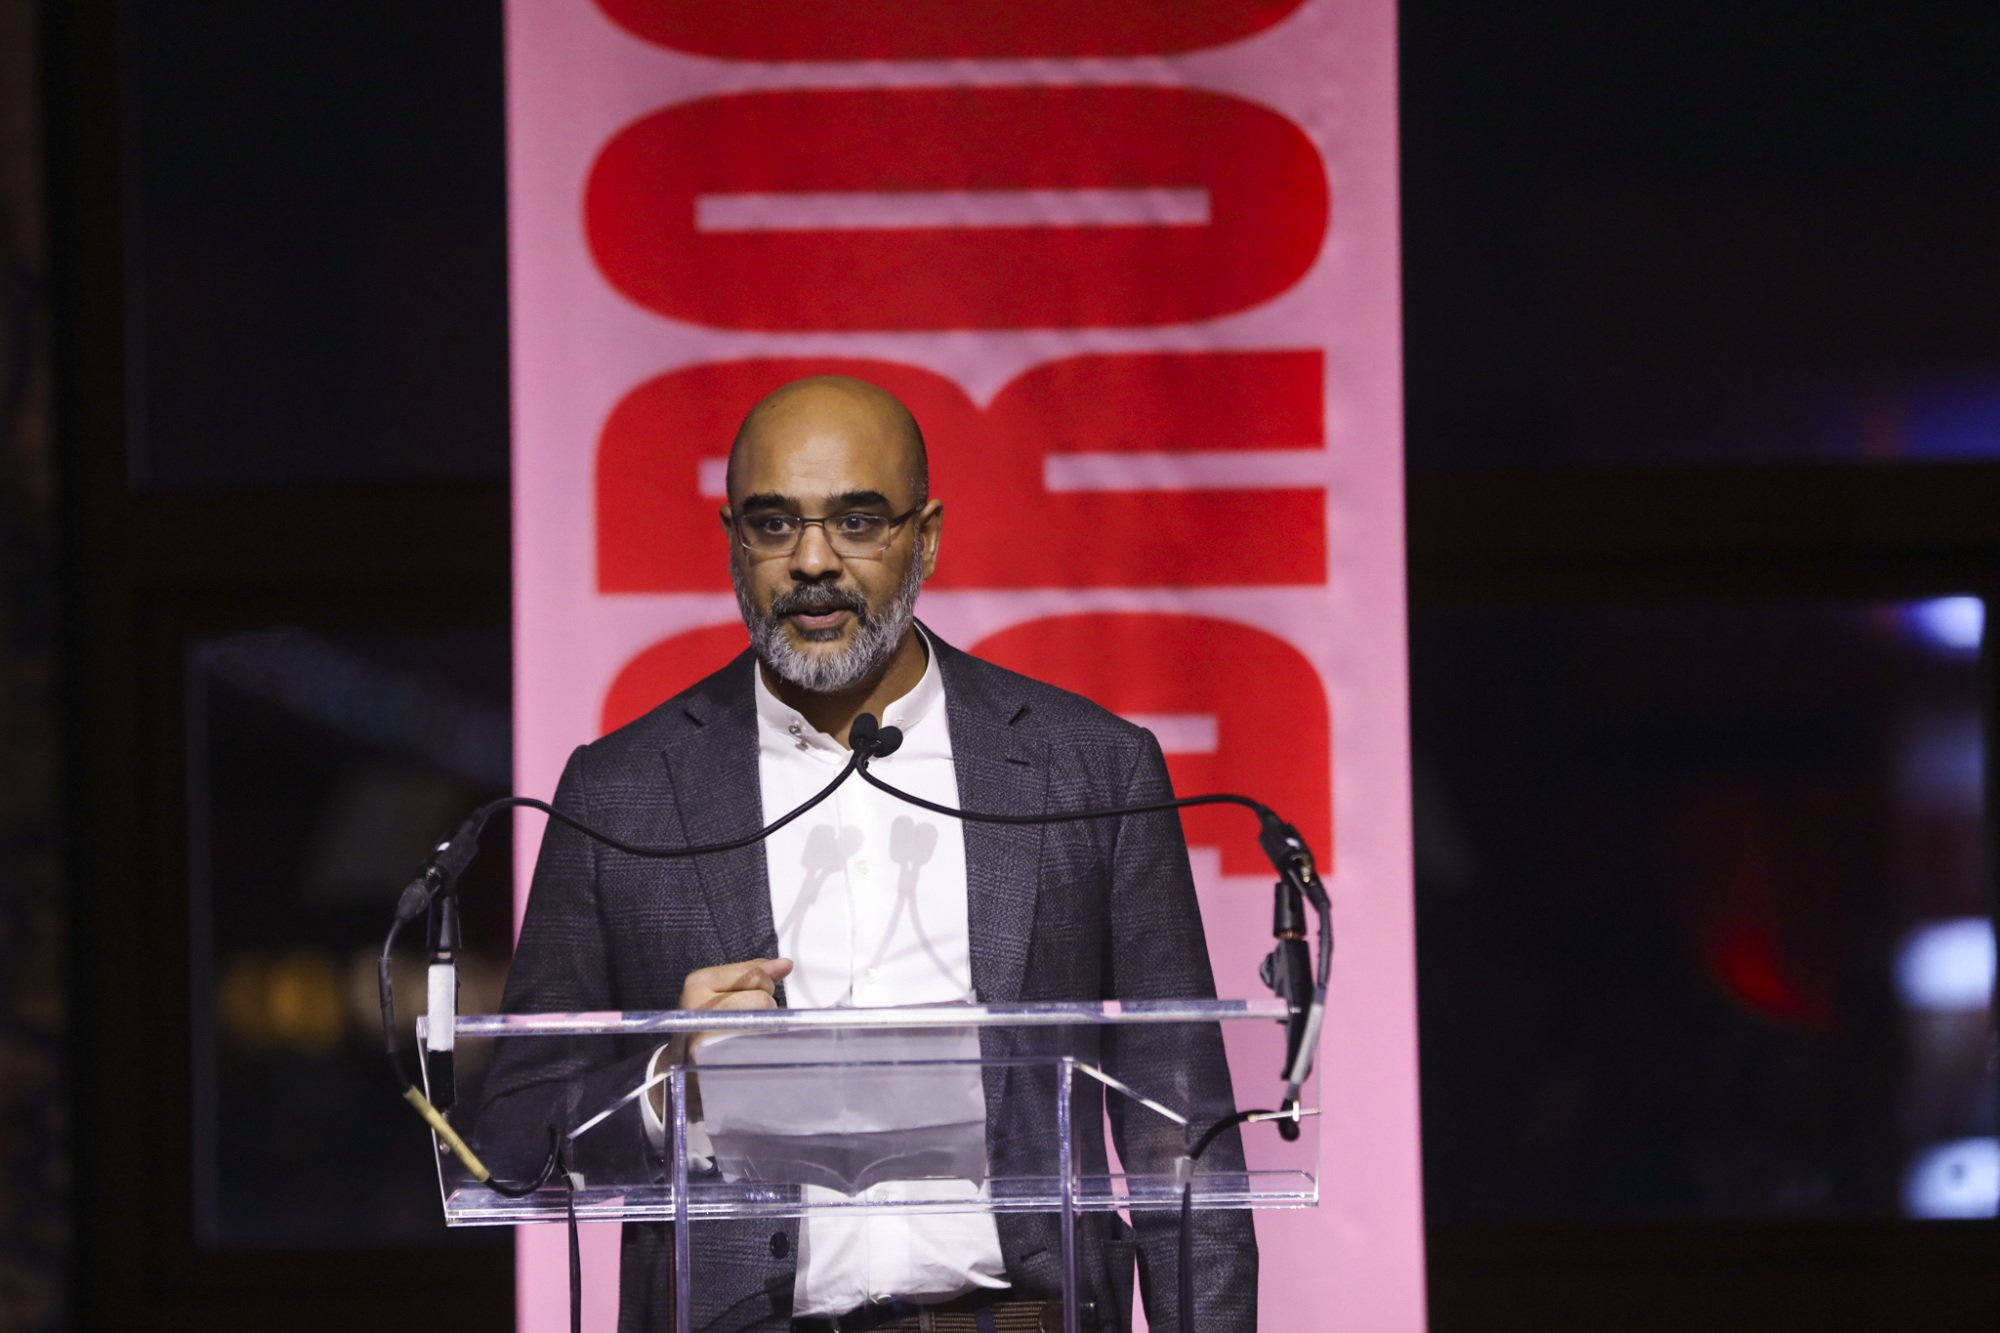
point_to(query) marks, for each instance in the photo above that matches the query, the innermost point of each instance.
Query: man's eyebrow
(847, 500)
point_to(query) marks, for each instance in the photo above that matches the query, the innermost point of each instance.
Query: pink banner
(1134, 267)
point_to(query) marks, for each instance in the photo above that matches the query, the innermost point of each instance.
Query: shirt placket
(843, 813)
(862, 908)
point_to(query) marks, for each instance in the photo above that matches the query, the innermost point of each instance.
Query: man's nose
(814, 558)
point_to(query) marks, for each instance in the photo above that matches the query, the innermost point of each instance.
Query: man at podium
(867, 901)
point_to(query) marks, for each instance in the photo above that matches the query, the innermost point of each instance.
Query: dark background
(1702, 346)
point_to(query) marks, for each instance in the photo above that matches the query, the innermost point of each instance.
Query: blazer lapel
(1004, 770)
(712, 768)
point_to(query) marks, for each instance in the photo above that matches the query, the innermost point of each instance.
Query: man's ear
(930, 534)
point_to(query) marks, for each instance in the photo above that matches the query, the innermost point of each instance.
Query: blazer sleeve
(1158, 951)
(561, 965)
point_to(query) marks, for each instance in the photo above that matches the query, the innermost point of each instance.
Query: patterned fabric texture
(1103, 909)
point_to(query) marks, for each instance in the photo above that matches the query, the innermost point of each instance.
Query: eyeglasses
(856, 533)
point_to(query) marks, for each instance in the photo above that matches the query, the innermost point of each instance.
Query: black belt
(975, 1312)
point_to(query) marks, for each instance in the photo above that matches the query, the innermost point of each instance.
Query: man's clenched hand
(751, 985)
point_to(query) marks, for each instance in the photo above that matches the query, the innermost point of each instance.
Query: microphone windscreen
(872, 738)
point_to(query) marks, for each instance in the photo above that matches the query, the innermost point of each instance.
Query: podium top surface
(850, 1099)
(1105, 1013)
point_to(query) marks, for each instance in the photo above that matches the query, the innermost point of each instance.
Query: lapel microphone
(870, 740)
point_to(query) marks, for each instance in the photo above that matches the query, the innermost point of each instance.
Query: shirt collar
(912, 710)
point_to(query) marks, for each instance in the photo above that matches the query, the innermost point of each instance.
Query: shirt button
(860, 867)
(794, 728)
(869, 976)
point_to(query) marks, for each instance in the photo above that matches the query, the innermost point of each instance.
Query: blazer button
(781, 1245)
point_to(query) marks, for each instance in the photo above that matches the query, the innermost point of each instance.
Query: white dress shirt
(869, 898)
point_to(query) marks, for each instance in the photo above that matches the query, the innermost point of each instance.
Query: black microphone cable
(437, 883)
(1285, 970)
(1184, 1272)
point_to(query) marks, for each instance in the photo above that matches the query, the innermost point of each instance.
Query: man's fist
(751, 985)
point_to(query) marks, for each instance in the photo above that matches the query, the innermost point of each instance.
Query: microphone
(870, 740)
(440, 1033)
(437, 883)
(1287, 970)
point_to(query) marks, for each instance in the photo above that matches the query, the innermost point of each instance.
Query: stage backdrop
(1133, 264)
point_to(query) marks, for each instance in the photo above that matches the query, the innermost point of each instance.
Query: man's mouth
(817, 621)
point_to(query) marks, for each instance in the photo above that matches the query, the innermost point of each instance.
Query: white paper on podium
(846, 1109)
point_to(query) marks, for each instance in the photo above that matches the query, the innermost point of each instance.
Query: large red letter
(668, 667)
(1256, 703)
(792, 210)
(1271, 735)
(935, 30)
(657, 531)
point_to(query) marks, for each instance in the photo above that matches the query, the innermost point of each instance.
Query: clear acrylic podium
(809, 1113)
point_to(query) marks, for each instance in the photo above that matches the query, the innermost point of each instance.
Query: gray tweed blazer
(1103, 909)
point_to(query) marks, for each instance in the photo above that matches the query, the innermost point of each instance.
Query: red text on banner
(929, 30)
(1139, 470)
(1235, 708)
(963, 207)
(666, 668)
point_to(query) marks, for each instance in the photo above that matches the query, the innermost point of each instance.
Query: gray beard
(876, 637)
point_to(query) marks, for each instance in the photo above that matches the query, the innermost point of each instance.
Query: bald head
(832, 533)
(867, 416)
